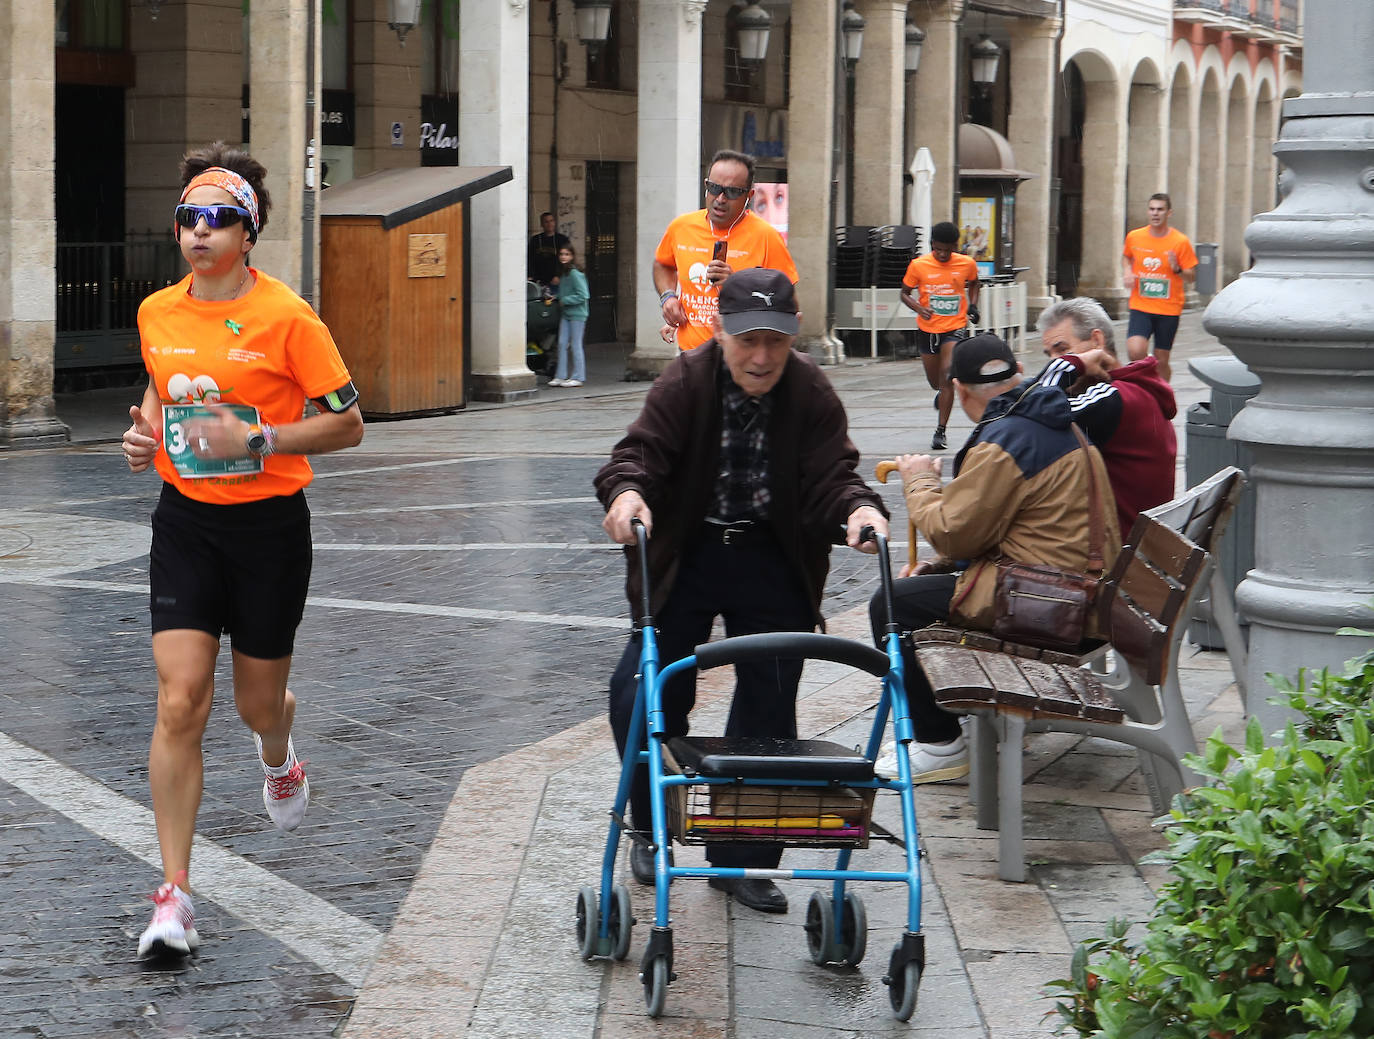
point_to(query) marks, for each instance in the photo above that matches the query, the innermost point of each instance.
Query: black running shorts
(244, 569)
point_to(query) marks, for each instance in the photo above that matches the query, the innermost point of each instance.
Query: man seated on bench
(1020, 491)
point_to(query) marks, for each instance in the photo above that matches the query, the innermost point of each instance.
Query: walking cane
(881, 471)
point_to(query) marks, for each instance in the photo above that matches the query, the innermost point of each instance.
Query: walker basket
(830, 816)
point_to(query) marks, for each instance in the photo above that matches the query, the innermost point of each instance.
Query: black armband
(339, 400)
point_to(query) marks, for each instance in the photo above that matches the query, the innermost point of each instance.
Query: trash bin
(1206, 284)
(1208, 450)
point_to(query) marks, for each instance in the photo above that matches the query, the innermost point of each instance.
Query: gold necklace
(234, 295)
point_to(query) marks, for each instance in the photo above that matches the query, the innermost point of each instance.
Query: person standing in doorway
(232, 356)
(702, 248)
(1156, 262)
(573, 297)
(543, 252)
(942, 287)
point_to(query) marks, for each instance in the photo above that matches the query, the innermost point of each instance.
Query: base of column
(503, 388)
(1114, 298)
(35, 431)
(823, 349)
(646, 363)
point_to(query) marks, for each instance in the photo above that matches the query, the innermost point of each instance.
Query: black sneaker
(938, 442)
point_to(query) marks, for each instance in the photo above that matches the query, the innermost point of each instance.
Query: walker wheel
(820, 928)
(655, 980)
(588, 923)
(621, 921)
(902, 983)
(855, 930)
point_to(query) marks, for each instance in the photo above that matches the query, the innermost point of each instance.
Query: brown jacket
(671, 452)
(1020, 491)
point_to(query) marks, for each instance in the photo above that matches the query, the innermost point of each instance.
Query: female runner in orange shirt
(232, 356)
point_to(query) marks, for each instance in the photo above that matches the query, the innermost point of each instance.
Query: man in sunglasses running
(702, 248)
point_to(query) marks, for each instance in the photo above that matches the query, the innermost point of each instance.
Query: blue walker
(796, 793)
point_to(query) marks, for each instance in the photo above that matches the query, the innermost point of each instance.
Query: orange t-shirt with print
(687, 244)
(266, 349)
(1157, 289)
(943, 287)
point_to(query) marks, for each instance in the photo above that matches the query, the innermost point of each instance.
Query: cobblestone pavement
(464, 607)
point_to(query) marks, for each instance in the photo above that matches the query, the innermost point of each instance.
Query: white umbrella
(922, 176)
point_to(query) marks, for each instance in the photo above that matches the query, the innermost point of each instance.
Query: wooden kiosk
(394, 283)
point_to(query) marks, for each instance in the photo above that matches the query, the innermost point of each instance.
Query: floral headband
(236, 185)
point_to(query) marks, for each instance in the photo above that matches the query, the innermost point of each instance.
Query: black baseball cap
(758, 297)
(982, 358)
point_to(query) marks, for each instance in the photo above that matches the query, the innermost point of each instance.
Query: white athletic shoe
(286, 796)
(172, 931)
(572, 382)
(558, 382)
(930, 762)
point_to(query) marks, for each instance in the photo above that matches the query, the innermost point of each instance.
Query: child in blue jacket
(573, 297)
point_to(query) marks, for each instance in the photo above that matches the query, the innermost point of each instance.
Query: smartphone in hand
(719, 250)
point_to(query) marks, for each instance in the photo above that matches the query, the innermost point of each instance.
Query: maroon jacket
(1129, 418)
(671, 452)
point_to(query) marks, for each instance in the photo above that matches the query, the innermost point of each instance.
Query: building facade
(1097, 103)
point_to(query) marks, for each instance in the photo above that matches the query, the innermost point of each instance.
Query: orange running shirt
(1157, 289)
(266, 349)
(943, 288)
(687, 244)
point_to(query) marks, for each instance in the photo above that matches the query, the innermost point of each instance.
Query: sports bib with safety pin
(946, 306)
(177, 438)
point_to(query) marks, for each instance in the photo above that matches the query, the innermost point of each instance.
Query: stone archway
(1148, 145)
(1211, 155)
(1103, 210)
(1239, 179)
(1264, 173)
(1182, 154)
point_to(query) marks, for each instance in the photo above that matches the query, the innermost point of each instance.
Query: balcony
(1262, 20)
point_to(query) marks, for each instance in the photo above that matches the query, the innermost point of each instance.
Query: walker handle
(805, 645)
(642, 542)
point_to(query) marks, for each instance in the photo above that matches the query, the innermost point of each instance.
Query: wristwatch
(260, 440)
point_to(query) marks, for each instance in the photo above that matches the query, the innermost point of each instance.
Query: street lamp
(915, 36)
(403, 15)
(752, 24)
(593, 23)
(852, 28)
(985, 55)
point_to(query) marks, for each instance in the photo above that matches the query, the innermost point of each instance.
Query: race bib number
(179, 423)
(946, 306)
(1154, 288)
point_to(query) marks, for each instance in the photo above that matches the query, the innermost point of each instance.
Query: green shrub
(1266, 925)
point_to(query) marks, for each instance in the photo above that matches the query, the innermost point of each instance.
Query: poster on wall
(977, 217)
(770, 202)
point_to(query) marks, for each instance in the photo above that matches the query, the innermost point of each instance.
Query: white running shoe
(172, 931)
(939, 762)
(572, 382)
(558, 382)
(286, 796)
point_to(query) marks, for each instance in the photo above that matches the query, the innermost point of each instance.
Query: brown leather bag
(1044, 606)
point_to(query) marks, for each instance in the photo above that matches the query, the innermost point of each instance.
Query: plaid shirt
(741, 490)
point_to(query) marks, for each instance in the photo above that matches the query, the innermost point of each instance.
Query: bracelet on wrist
(663, 299)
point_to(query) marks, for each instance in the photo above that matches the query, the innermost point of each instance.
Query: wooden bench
(1012, 689)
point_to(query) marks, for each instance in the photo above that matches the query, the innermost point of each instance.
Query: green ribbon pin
(233, 326)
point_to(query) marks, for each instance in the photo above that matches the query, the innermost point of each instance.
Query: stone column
(1034, 77)
(28, 228)
(277, 86)
(937, 99)
(668, 159)
(386, 85)
(1302, 319)
(493, 130)
(811, 168)
(189, 92)
(1104, 190)
(880, 78)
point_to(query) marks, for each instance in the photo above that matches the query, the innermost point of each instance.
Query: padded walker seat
(754, 757)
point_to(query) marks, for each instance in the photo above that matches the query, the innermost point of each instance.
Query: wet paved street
(464, 603)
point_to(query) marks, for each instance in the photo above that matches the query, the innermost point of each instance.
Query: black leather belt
(739, 533)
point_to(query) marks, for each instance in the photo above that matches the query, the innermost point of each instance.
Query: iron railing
(99, 288)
